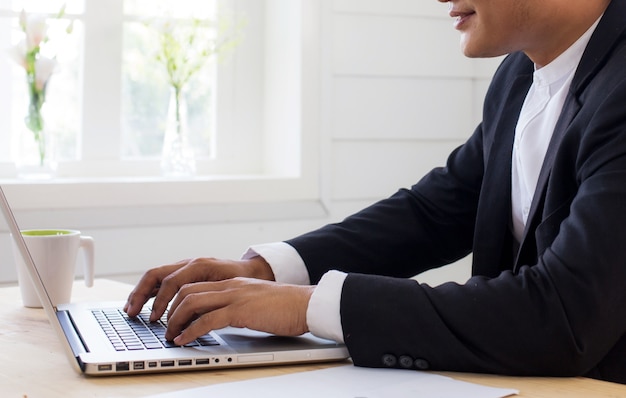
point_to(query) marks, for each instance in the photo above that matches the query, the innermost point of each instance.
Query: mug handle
(87, 244)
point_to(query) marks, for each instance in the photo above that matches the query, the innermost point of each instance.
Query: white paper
(347, 382)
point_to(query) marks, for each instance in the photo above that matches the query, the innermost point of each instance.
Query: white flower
(18, 53)
(44, 67)
(36, 28)
(23, 18)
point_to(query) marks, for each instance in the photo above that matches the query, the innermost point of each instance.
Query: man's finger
(192, 306)
(214, 320)
(148, 286)
(198, 287)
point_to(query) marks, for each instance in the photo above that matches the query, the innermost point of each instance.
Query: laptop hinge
(73, 338)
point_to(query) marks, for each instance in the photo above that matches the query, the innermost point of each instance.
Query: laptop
(101, 340)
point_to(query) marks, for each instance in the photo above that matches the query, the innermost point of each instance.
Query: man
(537, 194)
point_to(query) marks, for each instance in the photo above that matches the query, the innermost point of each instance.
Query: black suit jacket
(554, 305)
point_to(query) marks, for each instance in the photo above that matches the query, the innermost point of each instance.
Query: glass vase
(35, 157)
(177, 159)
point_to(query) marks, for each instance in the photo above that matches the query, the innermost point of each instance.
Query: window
(63, 89)
(260, 105)
(108, 99)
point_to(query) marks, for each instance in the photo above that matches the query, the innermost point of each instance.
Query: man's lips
(460, 17)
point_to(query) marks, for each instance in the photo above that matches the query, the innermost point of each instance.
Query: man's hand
(241, 302)
(164, 282)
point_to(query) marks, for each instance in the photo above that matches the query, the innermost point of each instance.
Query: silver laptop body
(86, 336)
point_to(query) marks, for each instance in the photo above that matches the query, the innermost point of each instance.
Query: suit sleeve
(561, 315)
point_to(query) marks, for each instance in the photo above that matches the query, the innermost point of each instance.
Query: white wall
(397, 96)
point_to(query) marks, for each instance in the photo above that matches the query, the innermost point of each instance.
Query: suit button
(422, 364)
(406, 361)
(389, 360)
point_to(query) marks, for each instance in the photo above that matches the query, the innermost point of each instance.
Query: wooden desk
(32, 363)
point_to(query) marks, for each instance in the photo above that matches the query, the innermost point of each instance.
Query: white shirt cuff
(286, 263)
(323, 315)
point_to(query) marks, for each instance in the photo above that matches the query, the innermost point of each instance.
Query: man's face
(491, 28)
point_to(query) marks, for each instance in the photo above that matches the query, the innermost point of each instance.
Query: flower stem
(34, 120)
(177, 99)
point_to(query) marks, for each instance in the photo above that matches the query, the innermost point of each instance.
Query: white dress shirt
(533, 132)
(537, 120)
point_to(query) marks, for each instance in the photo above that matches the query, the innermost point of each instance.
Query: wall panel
(392, 46)
(402, 108)
(376, 169)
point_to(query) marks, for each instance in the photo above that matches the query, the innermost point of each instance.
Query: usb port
(138, 365)
(184, 362)
(105, 368)
(167, 364)
(203, 361)
(122, 366)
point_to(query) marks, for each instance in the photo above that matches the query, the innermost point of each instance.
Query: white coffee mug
(54, 252)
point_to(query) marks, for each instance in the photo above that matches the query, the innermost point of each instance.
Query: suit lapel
(491, 249)
(601, 43)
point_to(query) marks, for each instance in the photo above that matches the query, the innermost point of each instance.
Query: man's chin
(472, 51)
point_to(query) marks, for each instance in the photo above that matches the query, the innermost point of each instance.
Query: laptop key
(168, 344)
(135, 347)
(139, 333)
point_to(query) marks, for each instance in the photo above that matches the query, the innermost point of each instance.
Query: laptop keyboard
(126, 333)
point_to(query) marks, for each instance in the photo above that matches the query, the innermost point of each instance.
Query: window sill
(140, 202)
